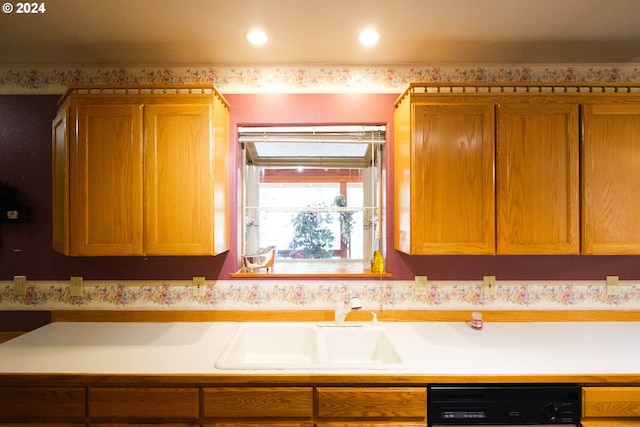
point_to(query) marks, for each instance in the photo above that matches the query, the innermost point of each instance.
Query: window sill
(338, 273)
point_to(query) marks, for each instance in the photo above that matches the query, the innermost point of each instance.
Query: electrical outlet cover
(20, 285)
(420, 285)
(613, 285)
(199, 286)
(76, 287)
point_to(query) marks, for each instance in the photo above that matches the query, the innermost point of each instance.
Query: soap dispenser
(377, 263)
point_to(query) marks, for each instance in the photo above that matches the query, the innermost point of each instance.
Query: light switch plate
(420, 285)
(20, 285)
(489, 285)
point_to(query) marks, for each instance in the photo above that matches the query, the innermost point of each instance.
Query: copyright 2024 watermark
(33, 8)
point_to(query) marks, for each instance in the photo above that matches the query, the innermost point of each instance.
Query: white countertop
(429, 348)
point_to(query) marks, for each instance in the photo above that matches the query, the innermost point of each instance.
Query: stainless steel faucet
(343, 306)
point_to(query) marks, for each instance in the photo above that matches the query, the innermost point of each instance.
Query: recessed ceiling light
(256, 37)
(369, 37)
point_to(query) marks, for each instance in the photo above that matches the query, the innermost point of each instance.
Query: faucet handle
(375, 318)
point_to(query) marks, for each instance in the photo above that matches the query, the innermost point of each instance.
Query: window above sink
(312, 195)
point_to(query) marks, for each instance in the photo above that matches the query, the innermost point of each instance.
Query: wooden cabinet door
(611, 402)
(361, 405)
(42, 405)
(110, 405)
(538, 178)
(106, 180)
(372, 424)
(179, 179)
(224, 406)
(611, 179)
(452, 179)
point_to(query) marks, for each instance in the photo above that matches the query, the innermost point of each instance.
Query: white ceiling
(314, 32)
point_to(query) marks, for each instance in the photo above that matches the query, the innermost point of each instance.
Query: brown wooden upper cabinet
(480, 172)
(141, 171)
(611, 178)
(444, 177)
(537, 177)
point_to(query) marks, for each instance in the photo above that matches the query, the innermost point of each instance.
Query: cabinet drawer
(42, 403)
(41, 424)
(124, 424)
(610, 402)
(258, 402)
(609, 423)
(239, 423)
(372, 424)
(389, 402)
(144, 403)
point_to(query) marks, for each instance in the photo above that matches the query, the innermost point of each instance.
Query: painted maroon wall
(303, 109)
(25, 162)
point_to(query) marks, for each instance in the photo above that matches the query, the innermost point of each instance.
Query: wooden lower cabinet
(253, 406)
(371, 406)
(320, 407)
(371, 424)
(229, 406)
(51, 406)
(610, 423)
(265, 423)
(149, 424)
(172, 406)
(40, 424)
(610, 406)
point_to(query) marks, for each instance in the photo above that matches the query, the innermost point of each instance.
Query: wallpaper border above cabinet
(376, 295)
(307, 79)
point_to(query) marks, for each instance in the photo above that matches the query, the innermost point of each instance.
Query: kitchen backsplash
(316, 295)
(307, 79)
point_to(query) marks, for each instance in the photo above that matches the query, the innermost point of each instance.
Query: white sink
(262, 346)
(270, 346)
(361, 347)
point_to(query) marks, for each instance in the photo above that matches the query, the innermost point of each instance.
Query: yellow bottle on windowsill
(377, 263)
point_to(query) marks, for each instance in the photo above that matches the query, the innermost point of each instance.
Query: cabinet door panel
(611, 179)
(452, 186)
(154, 424)
(245, 403)
(179, 179)
(259, 424)
(106, 181)
(46, 404)
(133, 404)
(372, 424)
(538, 179)
(395, 403)
(609, 423)
(611, 402)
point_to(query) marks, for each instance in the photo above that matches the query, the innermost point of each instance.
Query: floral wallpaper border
(312, 295)
(307, 79)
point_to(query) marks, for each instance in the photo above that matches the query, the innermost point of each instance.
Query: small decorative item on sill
(263, 258)
(377, 263)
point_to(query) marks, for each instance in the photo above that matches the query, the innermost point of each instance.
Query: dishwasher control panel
(503, 405)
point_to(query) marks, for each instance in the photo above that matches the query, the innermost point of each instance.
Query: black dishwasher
(503, 405)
